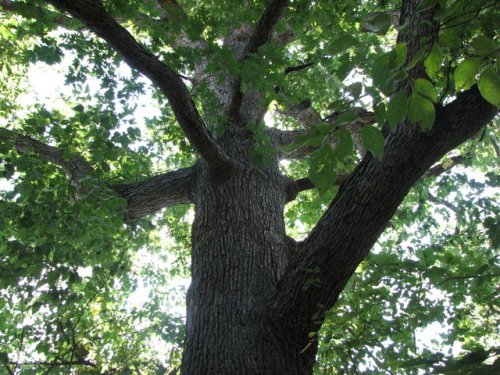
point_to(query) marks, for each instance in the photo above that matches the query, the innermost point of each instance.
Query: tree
(368, 102)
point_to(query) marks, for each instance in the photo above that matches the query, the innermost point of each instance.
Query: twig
(467, 277)
(495, 147)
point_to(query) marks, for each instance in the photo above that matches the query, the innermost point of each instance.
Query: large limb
(142, 197)
(96, 18)
(307, 116)
(364, 205)
(157, 192)
(367, 200)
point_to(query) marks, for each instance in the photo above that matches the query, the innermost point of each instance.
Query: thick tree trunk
(240, 251)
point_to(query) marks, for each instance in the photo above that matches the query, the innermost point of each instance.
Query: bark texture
(240, 251)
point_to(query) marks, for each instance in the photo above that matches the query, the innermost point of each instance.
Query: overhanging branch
(364, 205)
(97, 19)
(79, 362)
(142, 197)
(264, 29)
(171, 8)
(304, 184)
(75, 167)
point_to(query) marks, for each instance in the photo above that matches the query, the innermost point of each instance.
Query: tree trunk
(240, 251)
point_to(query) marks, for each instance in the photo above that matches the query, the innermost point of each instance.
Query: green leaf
(345, 146)
(492, 226)
(378, 24)
(426, 89)
(355, 89)
(384, 73)
(433, 62)
(380, 113)
(78, 108)
(244, 87)
(373, 141)
(401, 51)
(346, 118)
(465, 74)
(418, 57)
(322, 168)
(313, 137)
(489, 86)
(421, 110)
(344, 68)
(338, 105)
(342, 43)
(396, 110)
(484, 46)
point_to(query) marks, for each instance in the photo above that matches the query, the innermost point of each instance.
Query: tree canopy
(95, 250)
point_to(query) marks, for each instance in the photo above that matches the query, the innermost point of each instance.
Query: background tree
(363, 102)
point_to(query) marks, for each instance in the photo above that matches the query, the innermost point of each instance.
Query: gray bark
(240, 251)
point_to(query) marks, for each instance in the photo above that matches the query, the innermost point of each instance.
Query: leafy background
(79, 283)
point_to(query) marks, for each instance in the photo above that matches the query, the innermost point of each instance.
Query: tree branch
(442, 202)
(281, 138)
(97, 19)
(172, 7)
(261, 35)
(143, 197)
(35, 11)
(303, 184)
(264, 29)
(364, 205)
(303, 112)
(81, 362)
(157, 192)
(75, 167)
(467, 277)
(308, 116)
(416, 26)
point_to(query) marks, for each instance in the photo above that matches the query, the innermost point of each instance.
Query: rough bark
(157, 192)
(240, 250)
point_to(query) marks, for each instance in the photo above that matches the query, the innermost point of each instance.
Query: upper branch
(264, 29)
(303, 184)
(366, 202)
(260, 36)
(170, 7)
(97, 19)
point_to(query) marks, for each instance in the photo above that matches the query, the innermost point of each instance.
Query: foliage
(79, 283)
